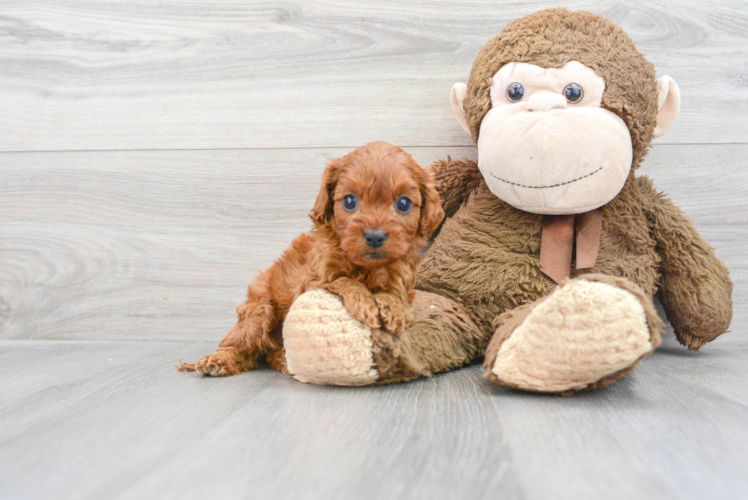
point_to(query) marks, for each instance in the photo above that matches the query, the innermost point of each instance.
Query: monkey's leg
(441, 338)
(587, 334)
(325, 344)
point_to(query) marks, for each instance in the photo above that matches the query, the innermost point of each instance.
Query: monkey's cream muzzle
(556, 160)
(545, 154)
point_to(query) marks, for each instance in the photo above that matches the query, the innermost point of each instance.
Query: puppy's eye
(350, 203)
(403, 205)
(515, 92)
(573, 93)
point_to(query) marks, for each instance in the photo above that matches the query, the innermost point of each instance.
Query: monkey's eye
(403, 205)
(350, 203)
(515, 92)
(573, 93)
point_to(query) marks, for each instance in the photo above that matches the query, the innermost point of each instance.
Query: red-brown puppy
(373, 215)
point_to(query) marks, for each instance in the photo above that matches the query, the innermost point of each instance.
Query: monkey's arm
(695, 286)
(454, 181)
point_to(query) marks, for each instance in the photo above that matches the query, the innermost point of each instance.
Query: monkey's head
(562, 107)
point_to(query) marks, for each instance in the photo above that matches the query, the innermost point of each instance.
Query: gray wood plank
(106, 243)
(93, 75)
(116, 420)
(161, 245)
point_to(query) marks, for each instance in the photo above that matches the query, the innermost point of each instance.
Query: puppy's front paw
(395, 314)
(218, 364)
(363, 307)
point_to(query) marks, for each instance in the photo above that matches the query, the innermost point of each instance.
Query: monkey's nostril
(375, 238)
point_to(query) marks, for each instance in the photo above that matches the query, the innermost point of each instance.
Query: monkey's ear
(456, 99)
(668, 104)
(432, 213)
(323, 206)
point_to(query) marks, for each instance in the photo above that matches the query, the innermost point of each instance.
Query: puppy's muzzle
(375, 238)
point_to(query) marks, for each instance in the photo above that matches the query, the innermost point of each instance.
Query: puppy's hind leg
(249, 341)
(256, 340)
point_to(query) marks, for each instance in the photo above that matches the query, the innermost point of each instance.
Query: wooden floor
(155, 156)
(113, 419)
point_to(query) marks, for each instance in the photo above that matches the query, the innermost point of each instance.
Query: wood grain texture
(93, 75)
(116, 420)
(162, 244)
(108, 245)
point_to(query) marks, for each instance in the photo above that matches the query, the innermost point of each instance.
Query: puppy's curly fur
(374, 278)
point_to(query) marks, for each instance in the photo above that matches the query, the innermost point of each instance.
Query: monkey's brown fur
(553, 37)
(484, 263)
(335, 257)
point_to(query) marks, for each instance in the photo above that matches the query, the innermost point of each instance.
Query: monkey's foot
(587, 334)
(325, 344)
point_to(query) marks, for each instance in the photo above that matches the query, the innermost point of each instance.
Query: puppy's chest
(380, 279)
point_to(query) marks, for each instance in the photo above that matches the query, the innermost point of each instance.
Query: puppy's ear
(431, 204)
(323, 206)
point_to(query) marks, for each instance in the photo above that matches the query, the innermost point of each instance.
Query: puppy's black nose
(375, 238)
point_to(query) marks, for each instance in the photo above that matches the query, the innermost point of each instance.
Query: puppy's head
(381, 204)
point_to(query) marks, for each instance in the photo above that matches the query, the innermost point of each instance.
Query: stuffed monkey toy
(552, 248)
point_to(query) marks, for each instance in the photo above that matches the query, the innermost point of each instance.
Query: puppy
(372, 217)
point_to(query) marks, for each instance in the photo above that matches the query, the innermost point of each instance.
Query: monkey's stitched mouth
(546, 187)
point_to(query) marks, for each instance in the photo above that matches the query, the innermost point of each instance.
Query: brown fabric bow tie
(557, 242)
